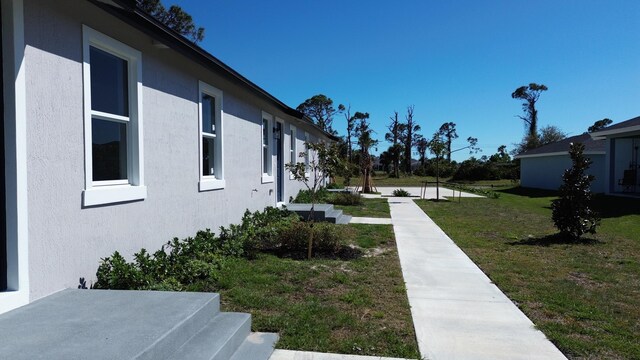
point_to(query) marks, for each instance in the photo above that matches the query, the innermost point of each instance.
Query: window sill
(211, 184)
(267, 178)
(102, 195)
(10, 300)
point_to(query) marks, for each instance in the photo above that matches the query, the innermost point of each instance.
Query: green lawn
(584, 296)
(378, 208)
(356, 306)
(384, 180)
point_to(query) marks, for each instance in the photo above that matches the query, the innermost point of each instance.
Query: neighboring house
(613, 150)
(120, 134)
(542, 168)
(622, 165)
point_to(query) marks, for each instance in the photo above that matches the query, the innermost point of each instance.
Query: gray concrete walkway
(457, 312)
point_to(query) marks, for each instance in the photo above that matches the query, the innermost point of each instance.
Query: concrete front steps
(321, 212)
(112, 324)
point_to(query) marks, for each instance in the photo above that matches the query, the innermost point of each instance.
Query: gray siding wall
(545, 172)
(66, 241)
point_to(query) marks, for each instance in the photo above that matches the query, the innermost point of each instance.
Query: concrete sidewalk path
(307, 355)
(369, 220)
(458, 313)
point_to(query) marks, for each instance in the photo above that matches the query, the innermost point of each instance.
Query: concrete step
(257, 346)
(105, 324)
(218, 340)
(344, 219)
(320, 211)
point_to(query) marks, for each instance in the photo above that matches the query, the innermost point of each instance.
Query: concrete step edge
(218, 339)
(257, 346)
(182, 332)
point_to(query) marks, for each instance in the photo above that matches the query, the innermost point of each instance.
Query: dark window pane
(109, 150)
(208, 159)
(265, 160)
(208, 114)
(109, 78)
(265, 131)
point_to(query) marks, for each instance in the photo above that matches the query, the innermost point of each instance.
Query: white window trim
(15, 142)
(212, 182)
(267, 174)
(293, 153)
(307, 158)
(107, 192)
(283, 146)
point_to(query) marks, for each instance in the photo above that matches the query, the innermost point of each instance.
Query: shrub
(401, 193)
(258, 231)
(328, 239)
(572, 213)
(334, 185)
(346, 198)
(304, 196)
(178, 264)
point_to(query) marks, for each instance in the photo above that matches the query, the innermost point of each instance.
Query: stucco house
(119, 134)
(613, 150)
(542, 168)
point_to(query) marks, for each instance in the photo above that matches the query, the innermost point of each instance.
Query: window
(211, 138)
(113, 120)
(267, 151)
(293, 155)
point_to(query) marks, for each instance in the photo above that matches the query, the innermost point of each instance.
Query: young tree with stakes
(572, 213)
(324, 161)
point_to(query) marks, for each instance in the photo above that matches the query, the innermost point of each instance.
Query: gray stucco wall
(545, 172)
(66, 240)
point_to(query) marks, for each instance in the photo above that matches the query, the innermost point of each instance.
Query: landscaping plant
(572, 213)
(324, 161)
(401, 193)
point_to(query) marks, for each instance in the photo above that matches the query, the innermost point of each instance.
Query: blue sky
(453, 60)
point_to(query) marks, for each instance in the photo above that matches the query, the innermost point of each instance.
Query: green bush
(304, 196)
(178, 264)
(401, 193)
(195, 263)
(345, 198)
(328, 239)
(258, 231)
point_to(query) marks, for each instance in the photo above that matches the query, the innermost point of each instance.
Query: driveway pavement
(458, 313)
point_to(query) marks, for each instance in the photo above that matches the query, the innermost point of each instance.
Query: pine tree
(572, 212)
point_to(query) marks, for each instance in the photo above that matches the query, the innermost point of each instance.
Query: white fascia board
(556, 154)
(598, 135)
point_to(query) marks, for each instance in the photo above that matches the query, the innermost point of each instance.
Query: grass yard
(383, 180)
(378, 208)
(584, 296)
(357, 306)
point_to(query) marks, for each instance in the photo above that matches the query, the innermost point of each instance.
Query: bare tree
(410, 138)
(396, 128)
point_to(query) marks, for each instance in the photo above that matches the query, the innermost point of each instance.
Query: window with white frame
(293, 155)
(267, 151)
(211, 138)
(114, 169)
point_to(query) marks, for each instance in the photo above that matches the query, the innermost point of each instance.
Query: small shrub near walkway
(584, 296)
